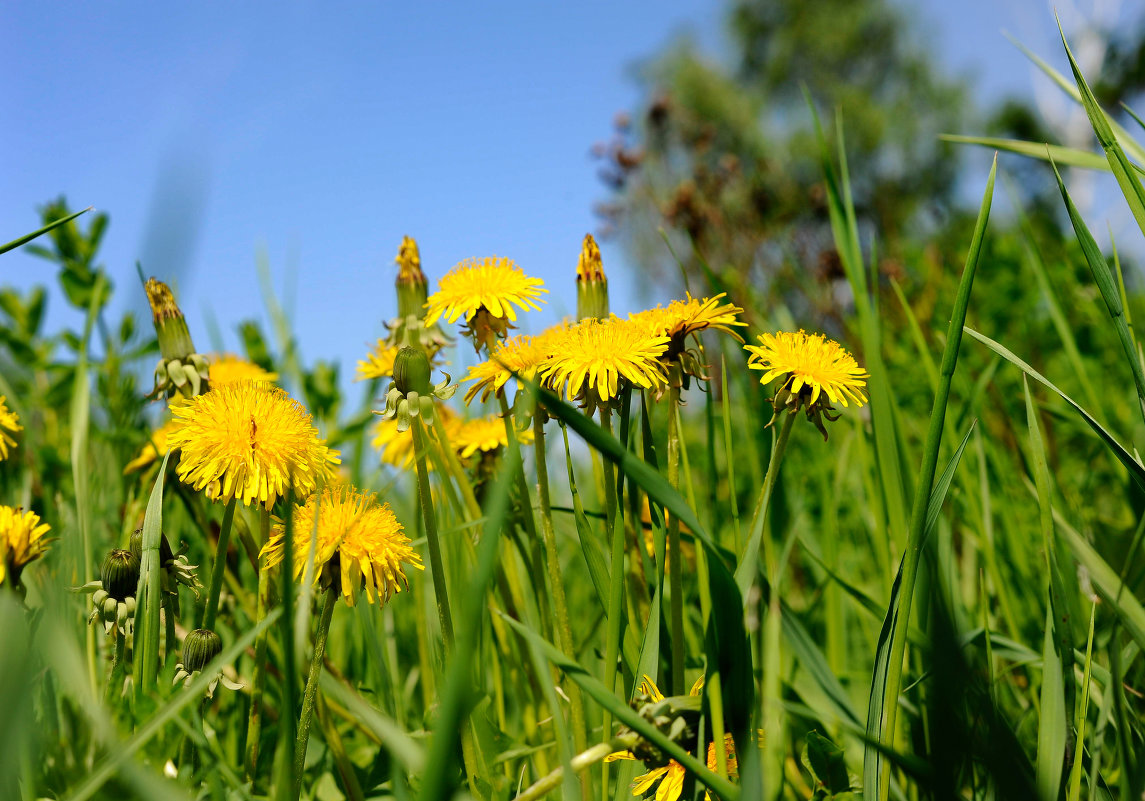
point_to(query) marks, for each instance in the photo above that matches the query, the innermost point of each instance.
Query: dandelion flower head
(681, 318)
(22, 541)
(253, 439)
(595, 354)
(522, 354)
(484, 434)
(493, 284)
(9, 424)
(226, 368)
(379, 362)
(809, 362)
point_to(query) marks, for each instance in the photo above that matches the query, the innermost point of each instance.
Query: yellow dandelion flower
(226, 368)
(493, 284)
(670, 777)
(22, 541)
(253, 439)
(809, 362)
(595, 354)
(683, 317)
(9, 422)
(521, 354)
(397, 446)
(379, 363)
(358, 543)
(485, 434)
(155, 449)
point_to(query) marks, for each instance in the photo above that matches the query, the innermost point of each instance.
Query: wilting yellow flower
(253, 439)
(596, 354)
(492, 284)
(155, 449)
(379, 362)
(226, 368)
(521, 354)
(8, 423)
(809, 363)
(397, 446)
(484, 434)
(683, 317)
(358, 543)
(671, 776)
(21, 541)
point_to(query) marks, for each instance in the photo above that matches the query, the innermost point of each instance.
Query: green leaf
(148, 596)
(15, 243)
(1052, 726)
(825, 761)
(1038, 150)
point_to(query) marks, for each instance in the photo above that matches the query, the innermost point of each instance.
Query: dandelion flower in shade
(22, 541)
(253, 439)
(397, 446)
(358, 543)
(155, 449)
(521, 354)
(594, 355)
(379, 362)
(484, 434)
(226, 368)
(484, 292)
(9, 424)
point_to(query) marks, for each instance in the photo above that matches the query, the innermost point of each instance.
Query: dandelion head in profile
(248, 441)
(484, 435)
(9, 425)
(682, 319)
(379, 362)
(22, 541)
(522, 354)
(484, 292)
(814, 373)
(591, 359)
(358, 544)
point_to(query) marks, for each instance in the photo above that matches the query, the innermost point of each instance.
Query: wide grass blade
(148, 596)
(1053, 725)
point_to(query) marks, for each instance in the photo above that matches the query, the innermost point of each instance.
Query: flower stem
(564, 630)
(211, 609)
(615, 589)
(675, 563)
(311, 692)
(583, 760)
(429, 518)
(115, 680)
(258, 673)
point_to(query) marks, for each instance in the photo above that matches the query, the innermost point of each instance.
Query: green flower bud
(411, 371)
(120, 574)
(166, 556)
(199, 648)
(170, 327)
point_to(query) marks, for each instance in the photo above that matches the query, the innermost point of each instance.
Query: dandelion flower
(8, 423)
(809, 363)
(484, 434)
(681, 318)
(22, 541)
(253, 439)
(155, 449)
(379, 363)
(397, 446)
(594, 355)
(492, 284)
(521, 354)
(357, 543)
(226, 368)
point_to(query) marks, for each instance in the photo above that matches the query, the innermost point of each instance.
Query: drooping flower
(155, 449)
(485, 435)
(22, 541)
(226, 368)
(594, 355)
(814, 372)
(484, 292)
(379, 362)
(397, 446)
(358, 543)
(251, 438)
(521, 354)
(9, 424)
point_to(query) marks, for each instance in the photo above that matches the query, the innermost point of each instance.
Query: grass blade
(147, 597)
(15, 243)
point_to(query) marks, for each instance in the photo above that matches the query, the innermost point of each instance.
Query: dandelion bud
(170, 327)
(166, 556)
(411, 283)
(411, 371)
(120, 574)
(591, 285)
(199, 648)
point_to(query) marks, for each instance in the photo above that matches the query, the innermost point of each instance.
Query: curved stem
(211, 609)
(429, 518)
(312, 688)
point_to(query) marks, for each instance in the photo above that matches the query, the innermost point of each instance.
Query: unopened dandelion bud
(166, 556)
(170, 327)
(411, 371)
(591, 284)
(199, 648)
(120, 574)
(411, 283)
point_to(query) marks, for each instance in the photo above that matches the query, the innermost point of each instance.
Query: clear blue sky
(325, 131)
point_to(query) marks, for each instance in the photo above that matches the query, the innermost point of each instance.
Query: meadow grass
(669, 578)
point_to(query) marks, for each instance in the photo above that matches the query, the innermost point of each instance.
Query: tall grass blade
(23, 240)
(1052, 724)
(148, 596)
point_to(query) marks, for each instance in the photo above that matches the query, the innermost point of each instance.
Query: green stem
(583, 760)
(429, 519)
(111, 693)
(312, 688)
(674, 562)
(258, 673)
(564, 630)
(615, 589)
(211, 609)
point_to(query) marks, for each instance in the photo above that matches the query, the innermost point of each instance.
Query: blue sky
(321, 133)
